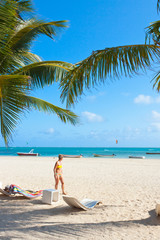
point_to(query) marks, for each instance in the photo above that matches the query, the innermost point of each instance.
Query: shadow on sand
(15, 217)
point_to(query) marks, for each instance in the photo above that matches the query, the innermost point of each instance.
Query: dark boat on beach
(152, 153)
(101, 155)
(72, 156)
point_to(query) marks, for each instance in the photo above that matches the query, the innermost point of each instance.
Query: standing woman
(58, 175)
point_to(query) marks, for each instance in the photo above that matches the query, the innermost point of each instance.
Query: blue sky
(127, 109)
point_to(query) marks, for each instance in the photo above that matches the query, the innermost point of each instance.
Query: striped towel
(27, 193)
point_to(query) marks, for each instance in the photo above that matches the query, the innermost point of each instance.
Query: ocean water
(85, 151)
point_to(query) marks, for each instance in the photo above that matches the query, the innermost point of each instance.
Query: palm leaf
(12, 90)
(29, 30)
(11, 57)
(153, 33)
(158, 6)
(8, 21)
(41, 105)
(45, 73)
(156, 81)
(14, 102)
(23, 58)
(24, 6)
(21, 70)
(108, 63)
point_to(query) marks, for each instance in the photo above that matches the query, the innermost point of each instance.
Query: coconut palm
(112, 63)
(21, 71)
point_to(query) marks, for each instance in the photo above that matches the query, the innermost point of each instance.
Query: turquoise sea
(85, 151)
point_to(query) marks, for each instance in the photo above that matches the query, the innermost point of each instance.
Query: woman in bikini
(58, 175)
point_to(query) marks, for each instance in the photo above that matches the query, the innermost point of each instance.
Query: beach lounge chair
(5, 192)
(85, 204)
(17, 190)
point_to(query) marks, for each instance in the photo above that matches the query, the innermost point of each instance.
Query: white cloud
(155, 126)
(156, 115)
(126, 94)
(91, 98)
(94, 134)
(101, 93)
(157, 100)
(92, 117)
(49, 131)
(143, 99)
(146, 99)
(94, 97)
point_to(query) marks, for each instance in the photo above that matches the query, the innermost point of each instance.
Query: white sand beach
(128, 189)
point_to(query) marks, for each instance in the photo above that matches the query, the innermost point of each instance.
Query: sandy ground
(128, 188)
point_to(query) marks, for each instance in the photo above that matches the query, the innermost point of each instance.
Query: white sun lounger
(5, 192)
(85, 204)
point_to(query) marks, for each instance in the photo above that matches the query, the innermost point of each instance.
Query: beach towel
(13, 189)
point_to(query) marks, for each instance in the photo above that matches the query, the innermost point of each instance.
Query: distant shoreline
(87, 152)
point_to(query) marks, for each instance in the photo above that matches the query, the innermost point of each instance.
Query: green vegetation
(22, 71)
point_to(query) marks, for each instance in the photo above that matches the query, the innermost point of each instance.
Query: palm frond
(8, 21)
(108, 63)
(45, 73)
(30, 57)
(23, 58)
(41, 105)
(153, 33)
(15, 80)
(31, 29)
(21, 70)
(11, 55)
(11, 62)
(24, 6)
(156, 81)
(14, 101)
(158, 6)
(12, 90)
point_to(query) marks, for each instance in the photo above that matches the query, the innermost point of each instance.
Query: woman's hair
(60, 156)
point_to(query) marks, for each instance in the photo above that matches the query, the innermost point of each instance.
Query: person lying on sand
(9, 189)
(58, 174)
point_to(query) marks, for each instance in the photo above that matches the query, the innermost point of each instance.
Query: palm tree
(21, 71)
(112, 63)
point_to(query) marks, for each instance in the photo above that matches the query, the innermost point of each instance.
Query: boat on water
(30, 153)
(101, 155)
(141, 157)
(73, 156)
(152, 152)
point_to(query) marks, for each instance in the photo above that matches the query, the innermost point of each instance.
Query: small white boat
(142, 157)
(30, 153)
